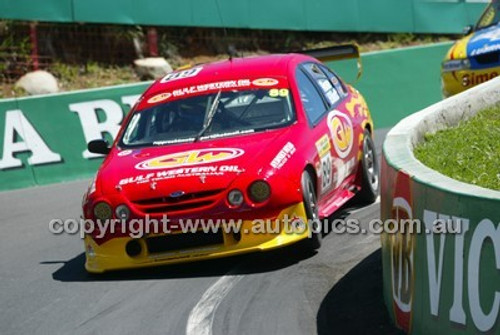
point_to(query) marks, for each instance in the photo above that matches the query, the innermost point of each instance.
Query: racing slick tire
(370, 168)
(312, 212)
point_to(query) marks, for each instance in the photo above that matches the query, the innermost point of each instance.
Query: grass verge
(469, 152)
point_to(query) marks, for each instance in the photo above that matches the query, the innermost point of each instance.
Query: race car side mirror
(468, 29)
(99, 147)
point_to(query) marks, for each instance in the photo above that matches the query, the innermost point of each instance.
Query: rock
(152, 68)
(38, 82)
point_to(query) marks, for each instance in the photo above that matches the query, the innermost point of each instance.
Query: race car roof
(231, 69)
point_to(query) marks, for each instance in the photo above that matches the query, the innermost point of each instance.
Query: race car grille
(488, 58)
(171, 205)
(165, 243)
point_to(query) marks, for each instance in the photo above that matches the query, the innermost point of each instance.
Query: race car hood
(480, 42)
(459, 49)
(484, 41)
(187, 168)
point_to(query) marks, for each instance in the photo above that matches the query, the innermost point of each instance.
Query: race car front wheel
(312, 212)
(370, 185)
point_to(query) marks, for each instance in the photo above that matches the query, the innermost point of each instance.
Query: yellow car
(475, 58)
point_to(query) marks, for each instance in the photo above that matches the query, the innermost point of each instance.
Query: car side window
(334, 79)
(312, 102)
(329, 91)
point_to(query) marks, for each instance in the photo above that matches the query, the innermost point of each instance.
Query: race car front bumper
(455, 82)
(258, 235)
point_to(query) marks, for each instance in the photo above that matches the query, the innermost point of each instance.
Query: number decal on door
(326, 172)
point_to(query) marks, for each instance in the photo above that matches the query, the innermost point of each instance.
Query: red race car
(236, 156)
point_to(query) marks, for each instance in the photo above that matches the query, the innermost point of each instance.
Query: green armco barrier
(50, 132)
(419, 16)
(395, 83)
(434, 282)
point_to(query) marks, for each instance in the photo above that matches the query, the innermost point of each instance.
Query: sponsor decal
(472, 79)
(342, 133)
(208, 137)
(189, 73)
(485, 49)
(124, 153)
(233, 133)
(274, 93)
(176, 141)
(199, 171)
(343, 170)
(283, 156)
(484, 42)
(265, 82)
(159, 98)
(196, 89)
(190, 158)
(490, 35)
(402, 251)
(456, 65)
(326, 162)
(323, 145)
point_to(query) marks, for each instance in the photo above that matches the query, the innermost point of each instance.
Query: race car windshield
(237, 112)
(490, 17)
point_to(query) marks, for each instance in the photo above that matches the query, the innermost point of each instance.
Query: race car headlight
(122, 212)
(456, 65)
(103, 211)
(235, 198)
(259, 191)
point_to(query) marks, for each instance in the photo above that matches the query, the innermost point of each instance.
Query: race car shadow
(74, 271)
(352, 206)
(355, 305)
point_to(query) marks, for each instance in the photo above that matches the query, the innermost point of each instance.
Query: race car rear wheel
(311, 207)
(370, 182)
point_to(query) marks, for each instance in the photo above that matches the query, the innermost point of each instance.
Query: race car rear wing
(336, 53)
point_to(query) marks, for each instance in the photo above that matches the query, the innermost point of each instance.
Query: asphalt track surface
(44, 288)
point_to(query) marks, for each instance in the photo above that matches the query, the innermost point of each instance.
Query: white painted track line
(202, 315)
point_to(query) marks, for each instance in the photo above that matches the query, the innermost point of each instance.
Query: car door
(325, 96)
(343, 124)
